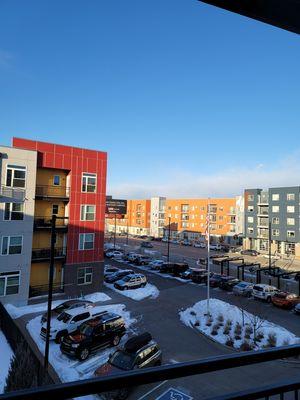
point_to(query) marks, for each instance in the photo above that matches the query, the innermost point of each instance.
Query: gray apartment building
(18, 178)
(272, 216)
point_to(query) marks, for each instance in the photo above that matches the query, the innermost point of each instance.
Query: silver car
(243, 289)
(133, 281)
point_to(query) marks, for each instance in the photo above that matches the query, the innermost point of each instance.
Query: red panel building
(72, 182)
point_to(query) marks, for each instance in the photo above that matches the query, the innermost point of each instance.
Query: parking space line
(152, 390)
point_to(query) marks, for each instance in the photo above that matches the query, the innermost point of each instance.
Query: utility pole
(270, 240)
(208, 257)
(169, 232)
(127, 231)
(115, 231)
(50, 290)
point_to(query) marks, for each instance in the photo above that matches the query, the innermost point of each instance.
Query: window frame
(85, 282)
(8, 245)
(11, 212)
(84, 234)
(15, 168)
(277, 207)
(55, 205)
(6, 275)
(288, 195)
(84, 208)
(290, 236)
(56, 184)
(290, 212)
(86, 175)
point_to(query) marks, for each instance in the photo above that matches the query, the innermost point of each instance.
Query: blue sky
(188, 100)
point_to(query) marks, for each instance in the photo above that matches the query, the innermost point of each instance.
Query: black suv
(112, 278)
(138, 352)
(173, 268)
(228, 282)
(94, 334)
(199, 275)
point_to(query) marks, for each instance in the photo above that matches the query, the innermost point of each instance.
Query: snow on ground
(149, 291)
(6, 354)
(195, 314)
(17, 312)
(69, 369)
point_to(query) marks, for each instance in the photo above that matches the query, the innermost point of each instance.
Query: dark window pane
(7, 211)
(8, 177)
(12, 289)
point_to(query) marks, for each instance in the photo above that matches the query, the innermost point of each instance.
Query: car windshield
(242, 285)
(122, 360)
(258, 288)
(86, 329)
(127, 278)
(62, 307)
(65, 317)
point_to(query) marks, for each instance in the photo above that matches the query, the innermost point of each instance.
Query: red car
(285, 300)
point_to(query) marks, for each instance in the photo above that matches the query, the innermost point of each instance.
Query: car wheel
(83, 354)
(116, 340)
(59, 337)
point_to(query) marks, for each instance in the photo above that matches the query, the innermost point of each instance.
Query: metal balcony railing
(45, 223)
(44, 254)
(11, 194)
(172, 371)
(44, 191)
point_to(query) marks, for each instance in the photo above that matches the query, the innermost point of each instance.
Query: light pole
(169, 232)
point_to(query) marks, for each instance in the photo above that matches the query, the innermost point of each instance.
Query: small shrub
(228, 323)
(245, 346)
(259, 336)
(220, 319)
(229, 342)
(237, 331)
(214, 330)
(248, 332)
(209, 321)
(272, 340)
(226, 330)
(197, 323)
(193, 313)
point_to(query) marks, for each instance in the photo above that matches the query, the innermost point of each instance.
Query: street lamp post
(169, 232)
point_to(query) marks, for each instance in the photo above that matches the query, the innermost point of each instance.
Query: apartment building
(17, 202)
(187, 219)
(272, 218)
(70, 183)
(135, 222)
(157, 219)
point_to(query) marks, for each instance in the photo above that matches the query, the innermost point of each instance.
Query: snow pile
(17, 312)
(149, 291)
(222, 325)
(6, 354)
(72, 369)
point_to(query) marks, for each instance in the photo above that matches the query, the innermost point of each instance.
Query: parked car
(131, 256)
(200, 245)
(142, 260)
(185, 242)
(67, 305)
(264, 292)
(173, 268)
(118, 275)
(143, 237)
(138, 352)
(114, 253)
(297, 309)
(199, 275)
(249, 252)
(187, 274)
(215, 279)
(174, 241)
(216, 247)
(228, 283)
(67, 322)
(109, 269)
(102, 331)
(164, 239)
(243, 289)
(225, 248)
(133, 281)
(285, 300)
(156, 264)
(147, 245)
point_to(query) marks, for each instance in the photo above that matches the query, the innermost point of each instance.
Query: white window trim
(8, 244)
(294, 233)
(290, 212)
(89, 173)
(86, 233)
(89, 273)
(10, 211)
(21, 168)
(12, 275)
(290, 194)
(85, 206)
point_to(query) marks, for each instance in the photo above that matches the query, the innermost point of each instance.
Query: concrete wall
(19, 262)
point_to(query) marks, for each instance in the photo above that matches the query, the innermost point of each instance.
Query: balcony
(44, 254)
(44, 224)
(11, 194)
(52, 192)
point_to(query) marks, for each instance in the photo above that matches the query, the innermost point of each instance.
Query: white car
(264, 292)
(200, 245)
(164, 239)
(216, 247)
(68, 322)
(109, 269)
(156, 264)
(114, 253)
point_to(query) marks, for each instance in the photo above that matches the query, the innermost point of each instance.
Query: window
(56, 180)
(250, 220)
(15, 176)
(184, 208)
(84, 275)
(184, 224)
(250, 208)
(87, 213)
(11, 245)
(275, 220)
(13, 211)
(89, 182)
(290, 221)
(275, 209)
(290, 209)
(275, 232)
(220, 226)
(9, 283)
(250, 197)
(275, 196)
(250, 230)
(290, 233)
(290, 197)
(86, 241)
(55, 209)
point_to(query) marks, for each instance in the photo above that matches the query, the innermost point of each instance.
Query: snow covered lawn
(234, 327)
(17, 312)
(69, 369)
(149, 291)
(6, 354)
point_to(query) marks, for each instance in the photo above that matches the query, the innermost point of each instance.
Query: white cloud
(227, 182)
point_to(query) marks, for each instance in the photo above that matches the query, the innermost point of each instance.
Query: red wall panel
(77, 161)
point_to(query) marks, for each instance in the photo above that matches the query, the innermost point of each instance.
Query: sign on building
(116, 206)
